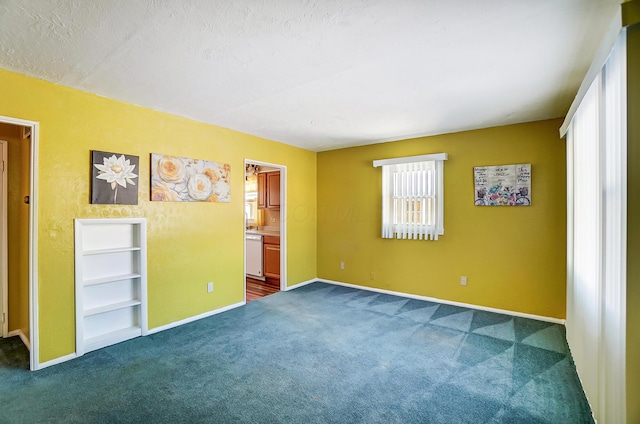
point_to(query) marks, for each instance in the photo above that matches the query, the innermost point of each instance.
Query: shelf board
(111, 307)
(112, 337)
(113, 250)
(111, 279)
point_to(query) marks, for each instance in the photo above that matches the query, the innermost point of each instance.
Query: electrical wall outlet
(341, 264)
(209, 287)
(463, 280)
(373, 275)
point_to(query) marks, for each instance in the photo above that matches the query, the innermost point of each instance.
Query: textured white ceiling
(319, 74)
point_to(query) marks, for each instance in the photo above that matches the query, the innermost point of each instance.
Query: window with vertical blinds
(412, 197)
(596, 237)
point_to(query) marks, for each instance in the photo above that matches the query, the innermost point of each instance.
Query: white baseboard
(22, 336)
(446, 302)
(195, 318)
(56, 361)
(304, 283)
(65, 358)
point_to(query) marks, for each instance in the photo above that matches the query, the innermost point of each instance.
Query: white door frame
(283, 225)
(34, 363)
(4, 277)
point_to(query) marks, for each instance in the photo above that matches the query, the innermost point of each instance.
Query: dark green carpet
(317, 354)
(13, 355)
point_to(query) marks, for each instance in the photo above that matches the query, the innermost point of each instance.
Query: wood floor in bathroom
(257, 289)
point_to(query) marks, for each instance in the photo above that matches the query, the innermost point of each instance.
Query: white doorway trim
(4, 277)
(34, 363)
(283, 225)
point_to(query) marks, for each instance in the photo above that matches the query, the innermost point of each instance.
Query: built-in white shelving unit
(111, 281)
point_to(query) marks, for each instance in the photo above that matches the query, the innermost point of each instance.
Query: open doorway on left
(15, 141)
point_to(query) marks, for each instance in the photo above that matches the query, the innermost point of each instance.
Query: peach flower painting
(178, 179)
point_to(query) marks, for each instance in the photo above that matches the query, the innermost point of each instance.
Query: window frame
(391, 228)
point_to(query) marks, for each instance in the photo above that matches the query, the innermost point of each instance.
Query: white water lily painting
(178, 179)
(114, 177)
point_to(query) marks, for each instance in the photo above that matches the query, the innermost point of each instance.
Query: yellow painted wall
(189, 244)
(514, 257)
(17, 227)
(633, 224)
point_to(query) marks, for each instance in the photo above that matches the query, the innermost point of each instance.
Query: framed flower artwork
(178, 179)
(113, 178)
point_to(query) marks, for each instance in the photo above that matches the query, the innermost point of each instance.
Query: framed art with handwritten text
(502, 185)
